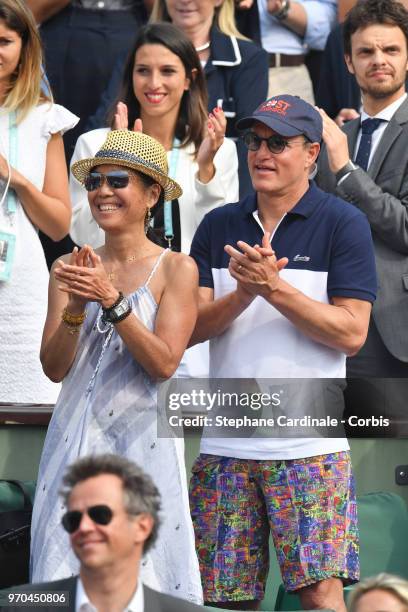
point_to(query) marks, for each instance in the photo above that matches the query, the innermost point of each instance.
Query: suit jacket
(382, 194)
(153, 600)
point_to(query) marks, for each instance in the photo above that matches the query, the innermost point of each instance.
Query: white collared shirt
(82, 603)
(386, 114)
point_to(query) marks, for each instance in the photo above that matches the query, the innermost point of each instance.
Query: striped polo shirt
(329, 246)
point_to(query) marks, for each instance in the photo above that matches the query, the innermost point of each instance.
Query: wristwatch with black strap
(118, 311)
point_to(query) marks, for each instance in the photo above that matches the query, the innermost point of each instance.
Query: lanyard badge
(168, 217)
(9, 199)
(7, 251)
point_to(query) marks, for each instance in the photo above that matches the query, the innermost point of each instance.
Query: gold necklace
(112, 275)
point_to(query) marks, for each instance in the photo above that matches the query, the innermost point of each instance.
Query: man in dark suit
(112, 519)
(376, 181)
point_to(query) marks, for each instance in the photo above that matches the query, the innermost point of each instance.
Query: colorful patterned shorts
(308, 504)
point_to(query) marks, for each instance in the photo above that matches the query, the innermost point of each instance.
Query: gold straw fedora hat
(133, 150)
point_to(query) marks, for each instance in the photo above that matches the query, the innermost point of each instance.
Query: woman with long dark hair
(163, 85)
(163, 93)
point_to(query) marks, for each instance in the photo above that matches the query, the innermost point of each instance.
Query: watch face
(121, 308)
(113, 314)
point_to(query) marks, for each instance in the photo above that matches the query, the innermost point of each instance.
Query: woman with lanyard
(33, 195)
(163, 91)
(235, 69)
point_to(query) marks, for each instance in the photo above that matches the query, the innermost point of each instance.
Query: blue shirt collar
(304, 207)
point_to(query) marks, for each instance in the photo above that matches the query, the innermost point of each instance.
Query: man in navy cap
(287, 280)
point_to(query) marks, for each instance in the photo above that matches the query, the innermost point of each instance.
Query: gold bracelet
(72, 329)
(71, 319)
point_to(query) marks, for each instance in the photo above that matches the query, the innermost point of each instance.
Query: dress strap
(156, 265)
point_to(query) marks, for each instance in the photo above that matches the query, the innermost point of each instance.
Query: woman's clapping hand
(212, 141)
(85, 279)
(121, 119)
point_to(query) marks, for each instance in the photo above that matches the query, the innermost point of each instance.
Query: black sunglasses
(275, 143)
(101, 515)
(117, 179)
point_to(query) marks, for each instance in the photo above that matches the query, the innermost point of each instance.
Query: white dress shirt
(82, 603)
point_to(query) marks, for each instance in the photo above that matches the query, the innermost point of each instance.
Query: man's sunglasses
(117, 179)
(101, 515)
(275, 143)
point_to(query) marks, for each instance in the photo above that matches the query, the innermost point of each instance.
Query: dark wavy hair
(193, 108)
(369, 12)
(141, 496)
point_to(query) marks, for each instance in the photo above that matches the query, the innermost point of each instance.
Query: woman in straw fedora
(163, 89)
(119, 319)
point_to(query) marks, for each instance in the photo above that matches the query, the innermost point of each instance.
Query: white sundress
(108, 404)
(23, 298)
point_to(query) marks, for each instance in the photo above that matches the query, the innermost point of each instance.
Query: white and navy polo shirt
(329, 247)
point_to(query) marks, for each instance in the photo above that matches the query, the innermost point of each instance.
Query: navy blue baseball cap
(287, 116)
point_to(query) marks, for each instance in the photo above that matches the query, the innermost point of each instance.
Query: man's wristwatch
(282, 13)
(118, 311)
(349, 167)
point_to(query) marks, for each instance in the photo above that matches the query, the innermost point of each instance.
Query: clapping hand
(256, 269)
(216, 126)
(85, 279)
(121, 119)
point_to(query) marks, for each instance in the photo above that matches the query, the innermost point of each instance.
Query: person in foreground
(381, 593)
(293, 309)
(119, 319)
(112, 519)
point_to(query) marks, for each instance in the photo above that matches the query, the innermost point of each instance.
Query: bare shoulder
(179, 265)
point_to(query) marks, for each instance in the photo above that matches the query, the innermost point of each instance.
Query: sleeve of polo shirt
(352, 271)
(321, 18)
(201, 253)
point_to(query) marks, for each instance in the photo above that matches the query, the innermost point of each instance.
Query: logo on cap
(275, 106)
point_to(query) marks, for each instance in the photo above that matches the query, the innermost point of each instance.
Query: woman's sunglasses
(101, 515)
(117, 179)
(275, 143)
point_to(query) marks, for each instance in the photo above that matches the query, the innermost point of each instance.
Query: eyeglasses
(275, 143)
(101, 515)
(117, 179)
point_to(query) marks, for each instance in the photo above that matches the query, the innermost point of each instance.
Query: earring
(147, 219)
